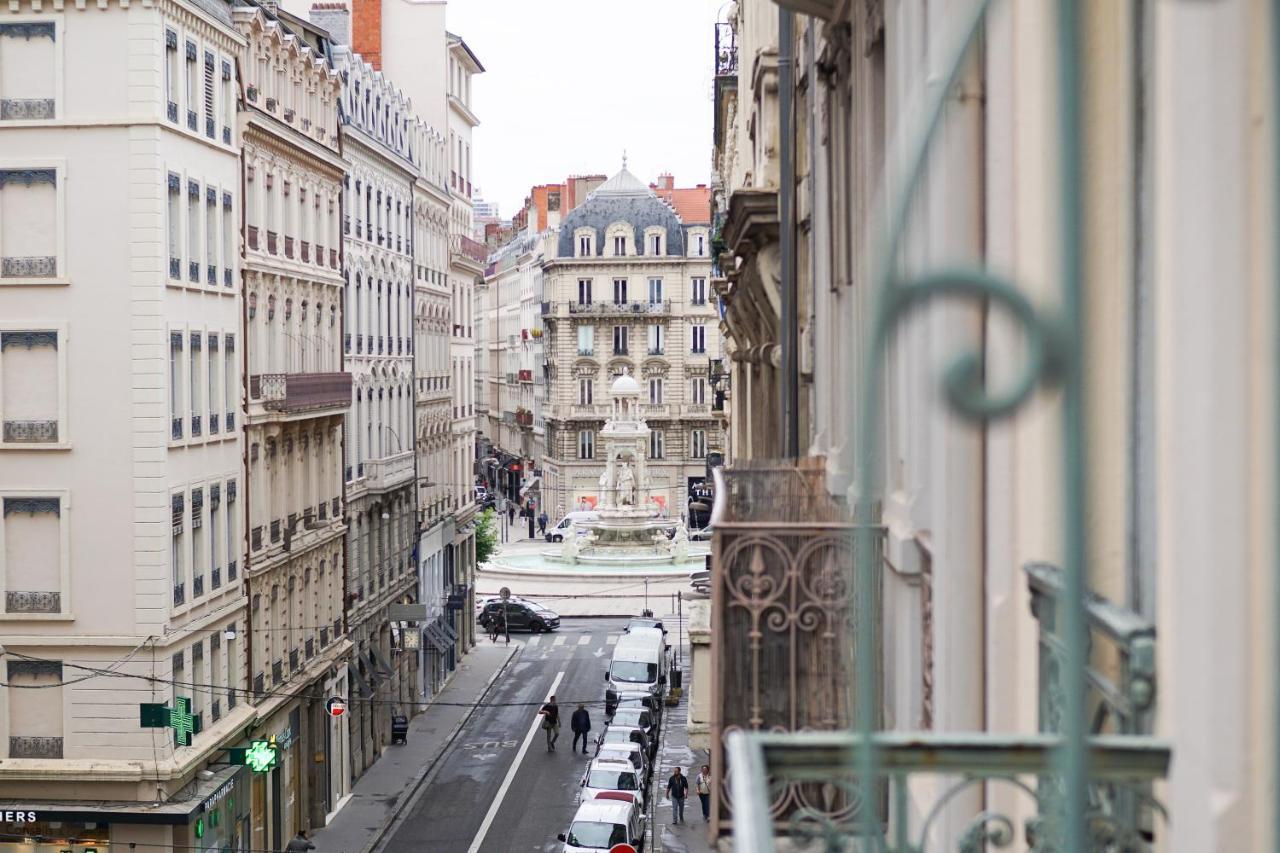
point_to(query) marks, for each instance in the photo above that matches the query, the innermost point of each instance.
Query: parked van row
(617, 781)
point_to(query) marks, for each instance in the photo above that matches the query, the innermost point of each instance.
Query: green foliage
(486, 537)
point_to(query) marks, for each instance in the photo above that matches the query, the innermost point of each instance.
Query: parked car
(611, 774)
(644, 622)
(629, 751)
(601, 824)
(522, 615)
(639, 718)
(623, 734)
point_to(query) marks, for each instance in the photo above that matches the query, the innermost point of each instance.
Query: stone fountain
(629, 529)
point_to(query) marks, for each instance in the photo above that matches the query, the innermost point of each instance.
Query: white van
(561, 530)
(639, 662)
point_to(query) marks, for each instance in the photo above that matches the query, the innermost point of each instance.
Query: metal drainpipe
(790, 384)
(244, 421)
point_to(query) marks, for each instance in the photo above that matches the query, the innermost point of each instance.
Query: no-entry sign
(336, 706)
(622, 848)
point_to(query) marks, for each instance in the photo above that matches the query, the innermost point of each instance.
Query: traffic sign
(336, 706)
(622, 848)
(504, 593)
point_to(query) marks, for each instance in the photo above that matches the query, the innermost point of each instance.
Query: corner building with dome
(626, 293)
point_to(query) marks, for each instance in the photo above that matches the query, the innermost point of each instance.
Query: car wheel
(535, 627)
(557, 538)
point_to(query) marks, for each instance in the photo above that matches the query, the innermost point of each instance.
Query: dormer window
(585, 242)
(619, 245)
(655, 243)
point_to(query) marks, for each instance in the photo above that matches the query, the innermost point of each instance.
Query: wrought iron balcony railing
(297, 392)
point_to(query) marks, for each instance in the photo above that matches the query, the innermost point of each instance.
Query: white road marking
(599, 652)
(584, 639)
(511, 772)
(612, 640)
(533, 641)
(558, 641)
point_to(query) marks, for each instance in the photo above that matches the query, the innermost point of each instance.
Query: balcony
(655, 410)
(618, 308)
(589, 410)
(472, 249)
(389, 472)
(292, 393)
(697, 410)
(782, 550)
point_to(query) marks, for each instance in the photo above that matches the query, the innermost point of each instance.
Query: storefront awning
(376, 654)
(533, 481)
(449, 633)
(359, 681)
(436, 639)
(196, 798)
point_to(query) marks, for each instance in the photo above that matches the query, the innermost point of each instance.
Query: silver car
(611, 774)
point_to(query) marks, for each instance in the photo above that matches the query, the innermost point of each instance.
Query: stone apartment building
(122, 492)
(625, 290)
(298, 391)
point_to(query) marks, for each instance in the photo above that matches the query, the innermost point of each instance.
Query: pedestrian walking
(299, 844)
(677, 790)
(551, 722)
(703, 786)
(542, 523)
(580, 722)
(511, 513)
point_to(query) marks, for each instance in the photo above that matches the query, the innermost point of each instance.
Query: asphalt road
(541, 797)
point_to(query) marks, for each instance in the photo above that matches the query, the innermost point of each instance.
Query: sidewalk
(394, 779)
(690, 836)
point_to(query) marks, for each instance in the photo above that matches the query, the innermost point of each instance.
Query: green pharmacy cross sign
(259, 755)
(185, 724)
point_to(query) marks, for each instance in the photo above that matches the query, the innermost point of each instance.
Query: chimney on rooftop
(666, 181)
(334, 18)
(366, 31)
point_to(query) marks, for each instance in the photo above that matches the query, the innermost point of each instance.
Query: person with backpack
(551, 722)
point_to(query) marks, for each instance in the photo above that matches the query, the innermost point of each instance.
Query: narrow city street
(476, 800)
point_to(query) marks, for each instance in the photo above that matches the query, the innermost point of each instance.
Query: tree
(486, 537)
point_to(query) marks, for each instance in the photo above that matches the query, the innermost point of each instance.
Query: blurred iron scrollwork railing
(1093, 788)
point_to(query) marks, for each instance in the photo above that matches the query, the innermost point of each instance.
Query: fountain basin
(550, 563)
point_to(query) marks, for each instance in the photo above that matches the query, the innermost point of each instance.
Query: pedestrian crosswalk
(568, 644)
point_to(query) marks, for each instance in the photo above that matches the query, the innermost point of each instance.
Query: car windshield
(634, 671)
(610, 779)
(595, 835)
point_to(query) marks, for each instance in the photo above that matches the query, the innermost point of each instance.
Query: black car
(521, 616)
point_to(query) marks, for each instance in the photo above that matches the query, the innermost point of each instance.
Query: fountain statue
(632, 529)
(626, 486)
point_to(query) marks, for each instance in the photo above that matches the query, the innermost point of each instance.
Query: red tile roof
(691, 204)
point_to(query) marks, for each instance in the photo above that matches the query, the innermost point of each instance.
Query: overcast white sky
(569, 84)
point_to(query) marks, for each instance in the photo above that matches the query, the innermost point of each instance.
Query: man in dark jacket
(580, 722)
(542, 523)
(299, 844)
(677, 790)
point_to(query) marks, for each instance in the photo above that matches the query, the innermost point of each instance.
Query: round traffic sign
(622, 848)
(336, 706)
(504, 593)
